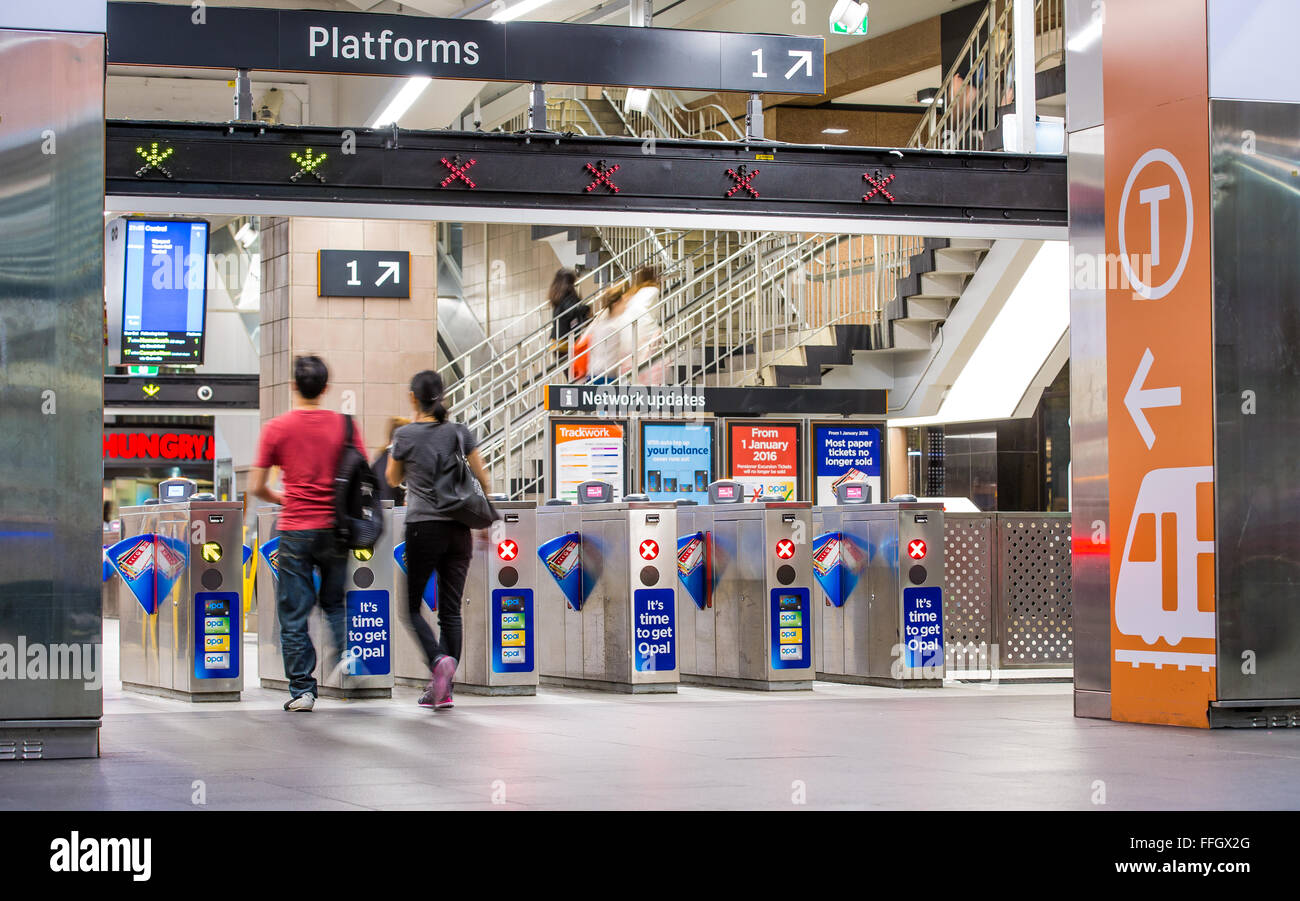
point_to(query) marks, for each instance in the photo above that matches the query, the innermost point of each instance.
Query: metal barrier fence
(1008, 603)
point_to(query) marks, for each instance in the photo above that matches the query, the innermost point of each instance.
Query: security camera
(204, 393)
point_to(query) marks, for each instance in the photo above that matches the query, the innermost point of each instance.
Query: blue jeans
(300, 552)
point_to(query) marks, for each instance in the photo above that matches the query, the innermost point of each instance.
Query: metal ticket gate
(368, 604)
(607, 613)
(180, 599)
(879, 619)
(746, 569)
(498, 609)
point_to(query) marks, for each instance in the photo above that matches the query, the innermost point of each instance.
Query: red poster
(764, 457)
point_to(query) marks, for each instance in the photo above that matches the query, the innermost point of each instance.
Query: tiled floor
(962, 747)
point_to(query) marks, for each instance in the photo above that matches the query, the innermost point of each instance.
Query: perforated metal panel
(1035, 619)
(968, 600)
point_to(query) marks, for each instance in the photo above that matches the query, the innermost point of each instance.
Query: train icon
(1154, 564)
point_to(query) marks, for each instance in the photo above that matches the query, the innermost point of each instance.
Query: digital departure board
(164, 296)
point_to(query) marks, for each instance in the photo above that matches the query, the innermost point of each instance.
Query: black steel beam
(555, 172)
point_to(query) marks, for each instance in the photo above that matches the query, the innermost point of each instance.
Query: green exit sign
(837, 28)
(142, 370)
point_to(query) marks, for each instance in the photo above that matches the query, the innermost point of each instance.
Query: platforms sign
(363, 273)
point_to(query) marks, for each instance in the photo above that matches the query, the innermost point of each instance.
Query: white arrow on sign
(1138, 399)
(391, 269)
(803, 60)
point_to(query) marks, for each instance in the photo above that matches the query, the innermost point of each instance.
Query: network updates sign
(373, 44)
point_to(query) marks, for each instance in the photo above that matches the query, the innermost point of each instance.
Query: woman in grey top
(435, 544)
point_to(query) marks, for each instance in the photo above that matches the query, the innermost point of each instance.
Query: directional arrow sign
(363, 273)
(1138, 399)
(803, 60)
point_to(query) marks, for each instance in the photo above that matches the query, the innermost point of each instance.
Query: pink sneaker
(443, 672)
(444, 703)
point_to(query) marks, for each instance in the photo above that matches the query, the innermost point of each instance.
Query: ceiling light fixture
(927, 95)
(835, 131)
(523, 8)
(402, 103)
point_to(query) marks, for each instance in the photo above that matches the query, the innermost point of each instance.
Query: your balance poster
(764, 457)
(677, 460)
(583, 450)
(845, 453)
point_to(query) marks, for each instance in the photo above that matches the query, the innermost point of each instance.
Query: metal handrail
(961, 113)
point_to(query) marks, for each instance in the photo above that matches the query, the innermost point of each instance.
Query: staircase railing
(982, 80)
(767, 303)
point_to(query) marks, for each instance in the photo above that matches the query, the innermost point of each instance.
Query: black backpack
(358, 509)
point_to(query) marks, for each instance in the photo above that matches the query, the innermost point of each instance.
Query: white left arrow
(392, 269)
(803, 60)
(1138, 399)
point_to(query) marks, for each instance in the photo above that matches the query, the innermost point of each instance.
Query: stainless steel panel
(332, 681)
(1089, 454)
(595, 646)
(554, 616)
(409, 665)
(51, 364)
(1256, 232)
(1084, 21)
(884, 616)
(158, 652)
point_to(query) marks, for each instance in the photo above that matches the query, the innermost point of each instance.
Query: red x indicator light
(916, 549)
(785, 548)
(602, 172)
(649, 549)
(878, 184)
(459, 171)
(744, 180)
(507, 550)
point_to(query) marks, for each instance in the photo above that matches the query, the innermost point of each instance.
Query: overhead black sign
(229, 392)
(572, 175)
(363, 273)
(620, 400)
(151, 34)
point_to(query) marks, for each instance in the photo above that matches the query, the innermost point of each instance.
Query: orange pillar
(1159, 332)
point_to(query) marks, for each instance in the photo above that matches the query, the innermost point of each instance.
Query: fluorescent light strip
(523, 8)
(403, 102)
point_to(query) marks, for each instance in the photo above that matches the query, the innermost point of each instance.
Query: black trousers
(441, 549)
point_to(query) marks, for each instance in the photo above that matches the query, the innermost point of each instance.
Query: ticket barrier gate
(180, 598)
(607, 595)
(498, 608)
(746, 620)
(879, 617)
(368, 603)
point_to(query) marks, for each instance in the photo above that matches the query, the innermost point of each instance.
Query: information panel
(677, 460)
(845, 452)
(764, 457)
(164, 295)
(587, 449)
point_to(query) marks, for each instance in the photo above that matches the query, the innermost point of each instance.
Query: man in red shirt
(305, 443)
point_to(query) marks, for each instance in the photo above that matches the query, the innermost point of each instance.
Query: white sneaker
(303, 703)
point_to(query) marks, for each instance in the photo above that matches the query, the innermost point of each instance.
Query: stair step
(910, 335)
(927, 309)
(969, 243)
(931, 284)
(950, 260)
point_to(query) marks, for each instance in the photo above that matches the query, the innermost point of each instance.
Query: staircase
(919, 303)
